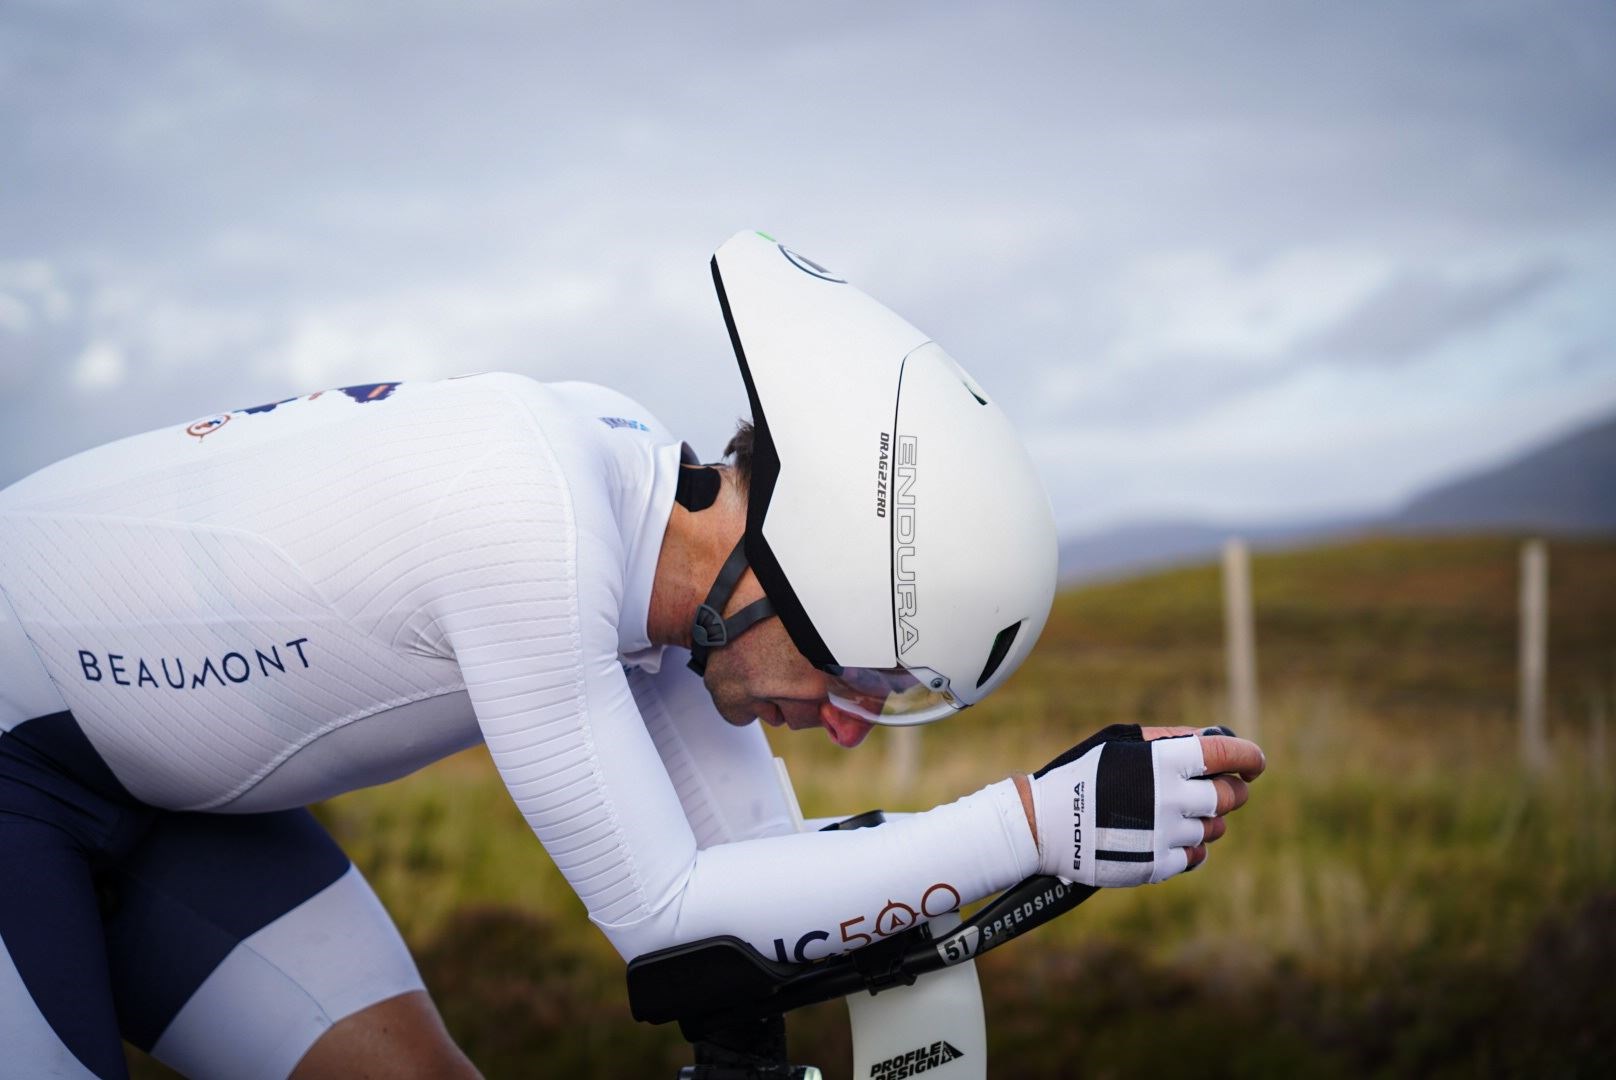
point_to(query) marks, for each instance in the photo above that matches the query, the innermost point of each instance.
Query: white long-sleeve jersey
(274, 605)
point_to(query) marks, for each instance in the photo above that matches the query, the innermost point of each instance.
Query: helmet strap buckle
(709, 629)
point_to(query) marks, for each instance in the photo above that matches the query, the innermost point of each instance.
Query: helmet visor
(891, 696)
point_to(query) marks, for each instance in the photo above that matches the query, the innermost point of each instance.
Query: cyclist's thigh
(56, 1010)
(239, 939)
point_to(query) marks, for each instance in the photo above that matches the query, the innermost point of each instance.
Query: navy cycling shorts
(222, 944)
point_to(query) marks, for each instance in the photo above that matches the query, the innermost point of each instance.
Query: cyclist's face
(762, 675)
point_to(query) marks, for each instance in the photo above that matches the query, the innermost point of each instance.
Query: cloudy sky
(1228, 261)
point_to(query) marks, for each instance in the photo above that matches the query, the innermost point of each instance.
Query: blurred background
(1338, 280)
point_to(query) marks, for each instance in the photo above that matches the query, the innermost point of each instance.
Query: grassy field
(1399, 898)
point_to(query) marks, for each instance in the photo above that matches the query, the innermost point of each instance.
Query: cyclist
(203, 629)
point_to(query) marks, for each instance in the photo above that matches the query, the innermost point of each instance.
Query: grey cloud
(1417, 312)
(1154, 397)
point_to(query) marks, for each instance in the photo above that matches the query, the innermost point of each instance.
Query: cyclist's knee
(401, 1037)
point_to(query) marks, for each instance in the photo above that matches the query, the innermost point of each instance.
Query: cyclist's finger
(1232, 794)
(1197, 856)
(1223, 754)
(1184, 832)
(1213, 828)
(1173, 861)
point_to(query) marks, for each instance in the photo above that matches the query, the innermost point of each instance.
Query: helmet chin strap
(710, 630)
(698, 489)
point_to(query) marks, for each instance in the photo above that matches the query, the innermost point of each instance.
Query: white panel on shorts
(283, 987)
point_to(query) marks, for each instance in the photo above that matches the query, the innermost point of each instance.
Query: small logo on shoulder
(203, 428)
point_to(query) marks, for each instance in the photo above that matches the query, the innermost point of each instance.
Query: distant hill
(1129, 549)
(1567, 486)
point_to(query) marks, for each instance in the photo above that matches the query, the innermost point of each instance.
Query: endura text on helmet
(903, 531)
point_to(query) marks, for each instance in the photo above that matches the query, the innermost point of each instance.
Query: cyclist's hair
(739, 449)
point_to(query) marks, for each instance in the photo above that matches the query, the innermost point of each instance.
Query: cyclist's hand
(1130, 806)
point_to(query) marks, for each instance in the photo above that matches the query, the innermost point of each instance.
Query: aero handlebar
(719, 982)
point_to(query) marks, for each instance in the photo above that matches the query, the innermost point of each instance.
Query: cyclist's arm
(797, 896)
(585, 772)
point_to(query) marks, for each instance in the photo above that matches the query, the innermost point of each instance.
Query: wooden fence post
(1596, 736)
(1240, 646)
(1534, 653)
(903, 756)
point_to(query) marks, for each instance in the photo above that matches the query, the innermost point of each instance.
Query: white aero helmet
(894, 519)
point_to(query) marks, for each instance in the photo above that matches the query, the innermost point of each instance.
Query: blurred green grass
(1399, 898)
